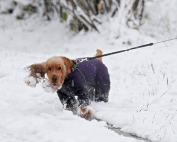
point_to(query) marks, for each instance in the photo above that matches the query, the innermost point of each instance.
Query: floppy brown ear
(36, 73)
(37, 70)
(68, 63)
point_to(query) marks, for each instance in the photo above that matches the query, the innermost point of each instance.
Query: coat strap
(74, 67)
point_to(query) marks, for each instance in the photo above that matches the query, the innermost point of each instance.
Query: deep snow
(143, 96)
(31, 114)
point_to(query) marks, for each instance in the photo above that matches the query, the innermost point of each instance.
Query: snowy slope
(29, 114)
(143, 96)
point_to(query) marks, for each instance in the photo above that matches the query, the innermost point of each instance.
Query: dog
(88, 80)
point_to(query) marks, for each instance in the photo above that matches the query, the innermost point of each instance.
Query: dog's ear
(36, 73)
(37, 70)
(68, 63)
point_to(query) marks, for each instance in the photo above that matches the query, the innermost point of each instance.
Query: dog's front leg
(86, 112)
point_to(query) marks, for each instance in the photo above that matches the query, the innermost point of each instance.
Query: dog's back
(92, 70)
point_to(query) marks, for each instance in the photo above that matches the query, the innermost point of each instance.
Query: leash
(75, 64)
(141, 46)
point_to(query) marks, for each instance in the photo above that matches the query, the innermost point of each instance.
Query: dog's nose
(54, 78)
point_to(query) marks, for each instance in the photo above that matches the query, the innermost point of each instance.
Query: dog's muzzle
(54, 79)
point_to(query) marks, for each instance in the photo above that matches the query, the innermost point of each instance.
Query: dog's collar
(74, 66)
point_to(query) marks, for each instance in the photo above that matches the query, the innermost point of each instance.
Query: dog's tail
(99, 52)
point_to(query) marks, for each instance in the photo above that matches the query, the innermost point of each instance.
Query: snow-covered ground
(143, 96)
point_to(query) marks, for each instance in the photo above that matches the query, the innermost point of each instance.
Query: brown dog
(57, 68)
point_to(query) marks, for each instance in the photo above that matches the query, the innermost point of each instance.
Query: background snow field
(143, 96)
(31, 114)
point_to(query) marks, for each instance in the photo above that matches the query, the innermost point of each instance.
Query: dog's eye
(59, 68)
(49, 68)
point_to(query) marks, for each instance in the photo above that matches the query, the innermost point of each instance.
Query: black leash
(141, 46)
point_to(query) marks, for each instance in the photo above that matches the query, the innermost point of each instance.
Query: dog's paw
(47, 87)
(86, 112)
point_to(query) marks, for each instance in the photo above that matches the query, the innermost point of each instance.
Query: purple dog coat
(89, 81)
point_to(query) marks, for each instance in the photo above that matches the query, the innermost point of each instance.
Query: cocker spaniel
(77, 82)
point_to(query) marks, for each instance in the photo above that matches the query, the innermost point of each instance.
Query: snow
(47, 87)
(31, 114)
(165, 20)
(31, 81)
(143, 96)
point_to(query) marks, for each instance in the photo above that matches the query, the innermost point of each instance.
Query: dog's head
(56, 69)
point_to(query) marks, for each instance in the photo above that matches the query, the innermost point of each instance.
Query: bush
(84, 14)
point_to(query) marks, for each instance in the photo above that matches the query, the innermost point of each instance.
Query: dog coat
(89, 81)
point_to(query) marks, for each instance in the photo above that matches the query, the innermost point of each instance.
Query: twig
(167, 89)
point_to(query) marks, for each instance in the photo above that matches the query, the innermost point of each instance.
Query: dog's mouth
(54, 84)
